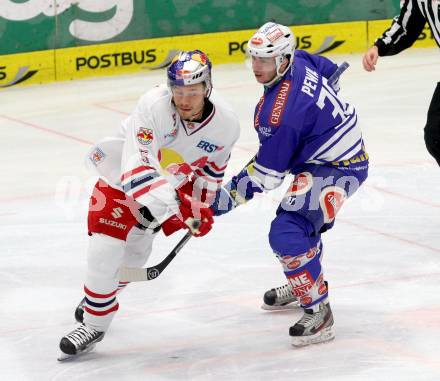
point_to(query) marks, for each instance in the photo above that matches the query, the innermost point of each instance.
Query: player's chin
(260, 78)
(184, 114)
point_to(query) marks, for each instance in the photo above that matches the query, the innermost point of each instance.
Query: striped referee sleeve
(404, 30)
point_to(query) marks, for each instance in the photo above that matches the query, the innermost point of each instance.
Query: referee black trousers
(432, 128)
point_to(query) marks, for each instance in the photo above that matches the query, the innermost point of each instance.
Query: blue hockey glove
(223, 202)
(236, 192)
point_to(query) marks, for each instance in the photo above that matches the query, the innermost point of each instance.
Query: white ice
(201, 319)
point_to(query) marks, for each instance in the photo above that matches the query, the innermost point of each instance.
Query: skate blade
(290, 306)
(323, 336)
(66, 357)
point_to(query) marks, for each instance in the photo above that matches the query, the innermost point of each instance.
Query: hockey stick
(132, 274)
(136, 274)
(338, 72)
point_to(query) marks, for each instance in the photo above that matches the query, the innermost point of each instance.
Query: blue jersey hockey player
(305, 129)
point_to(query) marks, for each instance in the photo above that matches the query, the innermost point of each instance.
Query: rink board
(151, 54)
(225, 47)
(27, 69)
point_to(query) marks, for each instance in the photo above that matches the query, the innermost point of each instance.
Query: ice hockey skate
(315, 326)
(79, 311)
(80, 341)
(279, 298)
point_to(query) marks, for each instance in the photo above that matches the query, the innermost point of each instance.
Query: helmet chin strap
(274, 80)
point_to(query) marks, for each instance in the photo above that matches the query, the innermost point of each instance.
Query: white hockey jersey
(155, 150)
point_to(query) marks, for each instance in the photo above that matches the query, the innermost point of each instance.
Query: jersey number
(328, 94)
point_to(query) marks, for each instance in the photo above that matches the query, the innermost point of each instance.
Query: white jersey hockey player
(161, 171)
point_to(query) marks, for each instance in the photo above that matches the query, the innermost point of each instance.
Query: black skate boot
(316, 326)
(81, 340)
(279, 298)
(79, 311)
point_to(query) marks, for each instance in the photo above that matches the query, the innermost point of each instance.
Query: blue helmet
(188, 68)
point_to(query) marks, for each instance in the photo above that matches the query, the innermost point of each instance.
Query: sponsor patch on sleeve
(97, 156)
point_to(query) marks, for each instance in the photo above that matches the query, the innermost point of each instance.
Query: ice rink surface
(201, 319)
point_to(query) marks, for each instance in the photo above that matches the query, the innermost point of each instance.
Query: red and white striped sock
(99, 308)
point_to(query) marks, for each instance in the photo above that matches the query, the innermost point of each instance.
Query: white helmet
(273, 40)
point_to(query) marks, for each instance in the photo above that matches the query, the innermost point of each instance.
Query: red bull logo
(145, 136)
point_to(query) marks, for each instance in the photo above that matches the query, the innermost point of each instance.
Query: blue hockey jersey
(302, 120)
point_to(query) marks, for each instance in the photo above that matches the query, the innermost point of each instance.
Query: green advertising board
(33, 25)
